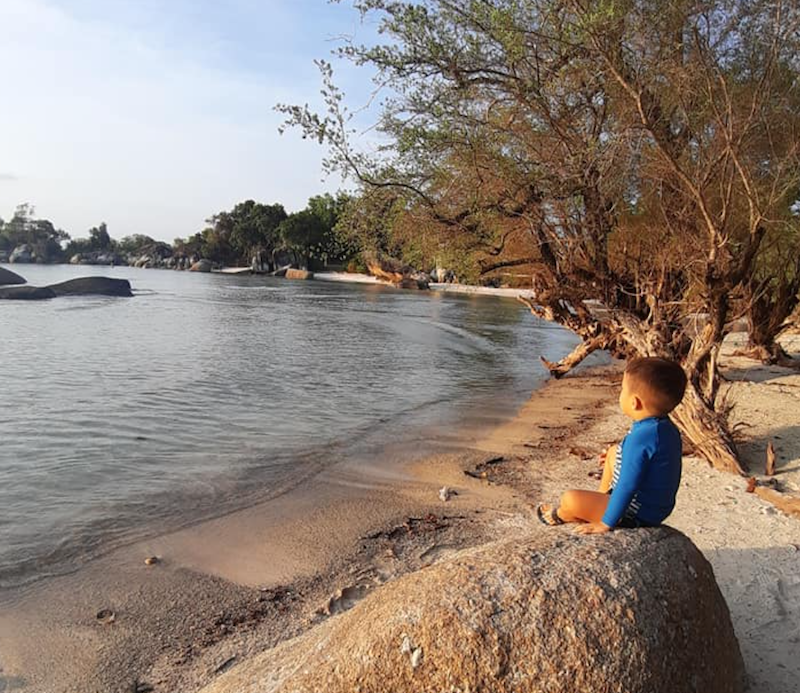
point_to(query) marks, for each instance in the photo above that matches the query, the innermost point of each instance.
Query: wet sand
(234, 586)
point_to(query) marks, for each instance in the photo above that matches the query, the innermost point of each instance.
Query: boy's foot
(548, 516)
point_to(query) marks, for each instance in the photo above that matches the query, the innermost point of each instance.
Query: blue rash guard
(648, 473)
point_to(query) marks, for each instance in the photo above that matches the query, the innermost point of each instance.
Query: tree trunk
(767, 313)
(578, 354)
(708, 432)
(696, 416)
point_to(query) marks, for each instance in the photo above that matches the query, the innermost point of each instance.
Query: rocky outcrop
(83, 286)
(26, 293)
(95, 286)
(636, 611)
(201, 266)
(394, 271)
(21, 254)
(8, 277)
(292, 273)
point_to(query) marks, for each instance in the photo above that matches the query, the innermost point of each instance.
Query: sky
(152, 115)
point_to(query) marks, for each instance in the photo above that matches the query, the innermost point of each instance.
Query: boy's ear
(638, 405)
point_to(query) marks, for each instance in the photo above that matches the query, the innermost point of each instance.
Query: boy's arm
(634, 456)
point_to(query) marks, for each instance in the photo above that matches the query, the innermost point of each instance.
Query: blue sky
(152, 115)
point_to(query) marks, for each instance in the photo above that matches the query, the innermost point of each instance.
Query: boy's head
(651, 387)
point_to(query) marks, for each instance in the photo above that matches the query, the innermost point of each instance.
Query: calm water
(203, 392)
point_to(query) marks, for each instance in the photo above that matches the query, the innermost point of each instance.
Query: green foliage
(40, 235)
(132, 245)
(98, 242)
(310, 234)
(234, 237)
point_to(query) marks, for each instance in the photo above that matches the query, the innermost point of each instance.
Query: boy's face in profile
(629, 402)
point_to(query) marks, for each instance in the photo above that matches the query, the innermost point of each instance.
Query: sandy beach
(227, 589)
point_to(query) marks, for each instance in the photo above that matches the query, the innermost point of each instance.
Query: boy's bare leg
(582, 506)
(608, 469)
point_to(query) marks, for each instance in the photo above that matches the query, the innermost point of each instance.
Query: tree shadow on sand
(786, 441)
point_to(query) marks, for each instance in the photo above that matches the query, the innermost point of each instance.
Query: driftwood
(770, 467)
(785, 502)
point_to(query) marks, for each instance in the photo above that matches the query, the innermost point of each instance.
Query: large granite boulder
(292, 273)
(9, 277)
(201, 266)
(392, 270)
(22, 253)
(635, 611)
(26, 293)
(98, 286)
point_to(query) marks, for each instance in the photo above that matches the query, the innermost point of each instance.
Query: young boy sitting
(642, 474)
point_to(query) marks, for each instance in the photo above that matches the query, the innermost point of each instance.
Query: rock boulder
(635, 611)
(292, 273)
(201, 266)
(26, 293)
(21, 254)
(98, 286)
(9, 277)
(392, 270)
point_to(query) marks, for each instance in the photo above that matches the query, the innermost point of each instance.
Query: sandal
(548, 517)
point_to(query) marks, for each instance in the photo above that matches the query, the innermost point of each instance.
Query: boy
(642, 474)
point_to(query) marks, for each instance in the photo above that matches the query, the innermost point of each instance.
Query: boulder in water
(26, 293)
(9, 277)
(201, 266)
(292, 273)
(97, 286)
(636, 611)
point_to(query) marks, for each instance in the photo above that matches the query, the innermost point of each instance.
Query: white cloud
(103, 122)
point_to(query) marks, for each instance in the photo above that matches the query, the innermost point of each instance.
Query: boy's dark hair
(662, 382)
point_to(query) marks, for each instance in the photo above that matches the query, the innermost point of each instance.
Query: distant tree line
(251, 230)
(267, 233)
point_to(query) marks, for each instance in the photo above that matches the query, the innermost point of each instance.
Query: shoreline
(230, 588)
(312, 552)
(333, 277)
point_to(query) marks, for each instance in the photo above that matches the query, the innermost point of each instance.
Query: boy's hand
(592, 528)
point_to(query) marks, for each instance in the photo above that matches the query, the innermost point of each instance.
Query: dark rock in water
(26, 293)
(637, 611)
(98, 286)
(9, 277)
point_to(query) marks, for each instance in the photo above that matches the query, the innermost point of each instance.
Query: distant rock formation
(8, 277)
(26, 293)
(637, 611)
(292, 273)
(201, 266)
(82, 286)
(394, 271)
(21, 254)
(97, 286)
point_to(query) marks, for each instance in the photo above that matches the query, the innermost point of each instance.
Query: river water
(120, 417)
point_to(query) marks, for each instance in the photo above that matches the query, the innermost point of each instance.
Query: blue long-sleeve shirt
(650, 472)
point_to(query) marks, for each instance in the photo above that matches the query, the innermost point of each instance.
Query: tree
(44, 239)
(250, 228)
(303, 234)
(99, 238)
(635, 152)
(130, 245)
